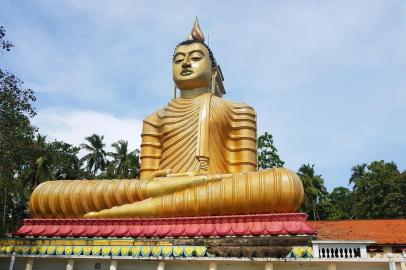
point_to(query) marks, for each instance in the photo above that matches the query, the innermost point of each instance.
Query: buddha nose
(186, 63)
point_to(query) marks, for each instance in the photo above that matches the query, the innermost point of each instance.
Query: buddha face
(192, 66)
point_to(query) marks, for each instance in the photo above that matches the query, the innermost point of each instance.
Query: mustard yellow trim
(8, 247)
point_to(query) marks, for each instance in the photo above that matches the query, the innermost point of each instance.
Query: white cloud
(72, 126)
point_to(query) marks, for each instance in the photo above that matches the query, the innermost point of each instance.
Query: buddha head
(194, 66)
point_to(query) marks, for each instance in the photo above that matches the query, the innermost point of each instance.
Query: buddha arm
(150, 146)
(276, 190)
(242, 139)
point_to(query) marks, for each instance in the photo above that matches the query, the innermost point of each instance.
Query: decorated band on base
(241, 225)
(135, 251)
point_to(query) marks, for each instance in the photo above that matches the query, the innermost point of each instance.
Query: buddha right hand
(174, 183)
(159, 173)
(203, 179)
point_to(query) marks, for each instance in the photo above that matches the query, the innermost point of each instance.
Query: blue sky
(327, 78)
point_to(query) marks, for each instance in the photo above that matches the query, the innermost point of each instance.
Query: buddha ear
(216, 84)
(213, 83)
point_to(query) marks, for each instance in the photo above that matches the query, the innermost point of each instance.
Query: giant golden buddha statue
(198, 158)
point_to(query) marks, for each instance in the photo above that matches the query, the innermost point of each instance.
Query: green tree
(126, 164)
(314, 190)
(5, 44)
(40, 168)
(65, 162)
(338, 204)
(134, 164)
(54, 160)
(96, 158)
(120, 157)
(268, 156)
(380, 192)
(358, 172)
(109, 171)
(16, 140)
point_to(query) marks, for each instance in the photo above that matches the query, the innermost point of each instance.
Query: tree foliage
(124, 163)
(134, 164)
(314, 190)
(16, 138)
(337, 205)
(53, 160)
(66, 164)
(358, 172)
(380, 192)
(96, 157)
(4, 44)
(268, 156)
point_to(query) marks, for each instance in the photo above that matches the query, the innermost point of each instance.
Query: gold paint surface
(192, 67)
(198, 157)
(196, 33)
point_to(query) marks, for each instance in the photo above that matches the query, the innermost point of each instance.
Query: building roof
(383, 232)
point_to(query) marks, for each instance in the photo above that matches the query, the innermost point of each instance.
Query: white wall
(363, 266)
(137, 265)
(173, 265)
(235, 266)
(48, 264)
(19, 263)
(89, 264)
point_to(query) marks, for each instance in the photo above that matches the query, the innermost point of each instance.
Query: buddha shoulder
(154, 118)
(151, 124)
(176, 106)
(236, 107)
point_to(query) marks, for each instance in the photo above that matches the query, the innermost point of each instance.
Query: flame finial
(196, 33)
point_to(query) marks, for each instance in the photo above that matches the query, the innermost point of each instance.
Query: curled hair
(187, 42)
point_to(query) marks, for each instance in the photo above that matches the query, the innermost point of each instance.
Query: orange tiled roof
(383, 232)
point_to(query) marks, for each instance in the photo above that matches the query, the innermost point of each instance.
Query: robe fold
(204, 134)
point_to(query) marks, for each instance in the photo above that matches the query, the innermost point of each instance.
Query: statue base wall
(266, 235)
(207, 226)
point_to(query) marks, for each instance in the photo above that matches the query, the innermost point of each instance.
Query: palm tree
(358, 172)
(127, 164)
(120, 157)
(96, 158)
(134, 164)
(314, 188)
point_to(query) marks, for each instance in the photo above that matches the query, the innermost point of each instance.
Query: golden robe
(206, 135)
